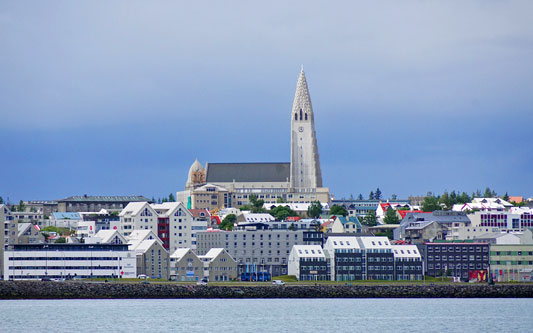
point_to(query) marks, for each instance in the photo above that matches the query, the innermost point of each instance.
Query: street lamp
(46, 267)
(91, 248)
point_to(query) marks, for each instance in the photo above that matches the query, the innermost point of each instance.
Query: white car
(278, 283)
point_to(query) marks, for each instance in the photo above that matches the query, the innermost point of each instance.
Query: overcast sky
(120, 97)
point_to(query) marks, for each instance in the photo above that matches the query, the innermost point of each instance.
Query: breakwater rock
(82, 290)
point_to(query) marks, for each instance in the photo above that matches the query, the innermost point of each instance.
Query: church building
(224, 185)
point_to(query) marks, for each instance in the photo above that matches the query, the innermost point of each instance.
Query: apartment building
(219, 265)
(465, 260)
(308, 263)
(267, 249)
(185, 266)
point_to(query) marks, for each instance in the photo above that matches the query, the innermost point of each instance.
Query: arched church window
(296, 116)
(306, 116)
(301, 114)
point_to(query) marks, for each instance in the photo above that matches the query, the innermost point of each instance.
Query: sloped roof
(247, 172)
(405, 251)
(145, 245)
(133, 208)
(108, 235)
(212, 253)
(198, 212)
(179, 253)
(403, 213)
(351, 219)
(138, 236)
(308, 251)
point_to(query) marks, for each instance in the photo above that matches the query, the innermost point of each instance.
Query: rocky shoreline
(90, 290)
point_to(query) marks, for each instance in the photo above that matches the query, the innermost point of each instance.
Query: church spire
(305, 162)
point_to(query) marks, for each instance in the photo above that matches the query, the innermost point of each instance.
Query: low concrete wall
(76, 290)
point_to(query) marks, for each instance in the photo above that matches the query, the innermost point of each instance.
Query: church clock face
(300, 129)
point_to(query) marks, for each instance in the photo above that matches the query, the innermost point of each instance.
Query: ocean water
(268, 315)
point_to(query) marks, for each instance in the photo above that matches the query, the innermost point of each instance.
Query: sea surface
(268, 315)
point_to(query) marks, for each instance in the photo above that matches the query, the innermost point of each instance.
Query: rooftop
(247, 172)
(101, 198)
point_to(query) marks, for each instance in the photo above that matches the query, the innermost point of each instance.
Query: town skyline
(124, 108)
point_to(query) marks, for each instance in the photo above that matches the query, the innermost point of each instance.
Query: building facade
(308, 263)
(465, 260)
(56, 261)
(219, 265)
(511, 263)
(90, 203)
(185, 266)
(267, 249)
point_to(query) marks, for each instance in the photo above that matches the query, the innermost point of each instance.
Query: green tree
(370, 219)
(314, 210)
(61, 240)
(245, 207)
(445, 199)
(171, 198)
(463, 198)
(256, 204)
(506, 197)
(1, 200)
(21, 207)
(228, 222)
(377, 195)
(371, 195)
(338, 210)
(394, 197)
(391, 217)
(292, 227)
(430, 204)
(488, 193)
(280, 200)
(360, 197)
(282, 212)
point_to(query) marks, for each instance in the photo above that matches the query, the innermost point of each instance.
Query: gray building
(421, 227)
(264, 250)
(90, 203)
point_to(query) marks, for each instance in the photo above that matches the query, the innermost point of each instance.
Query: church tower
(305, 162)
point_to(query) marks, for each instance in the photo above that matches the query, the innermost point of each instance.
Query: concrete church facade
(224, 185)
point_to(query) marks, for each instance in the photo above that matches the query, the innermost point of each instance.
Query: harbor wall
(94, 290)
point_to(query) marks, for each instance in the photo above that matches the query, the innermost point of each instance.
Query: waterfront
(267, 315)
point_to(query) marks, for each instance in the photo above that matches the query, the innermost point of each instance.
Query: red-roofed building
(402, 213)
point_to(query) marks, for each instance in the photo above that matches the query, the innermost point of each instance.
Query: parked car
(278, 283)
(143, 276)
(202, 282)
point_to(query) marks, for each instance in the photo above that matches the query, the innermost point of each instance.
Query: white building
(255, 218)
(172, 222)
(308, 263)
(138, 216)
(56, 261)
(483, 204)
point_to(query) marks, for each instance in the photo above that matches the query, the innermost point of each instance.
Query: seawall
(89, 290)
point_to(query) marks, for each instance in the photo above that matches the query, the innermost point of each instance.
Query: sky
(120, 97)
